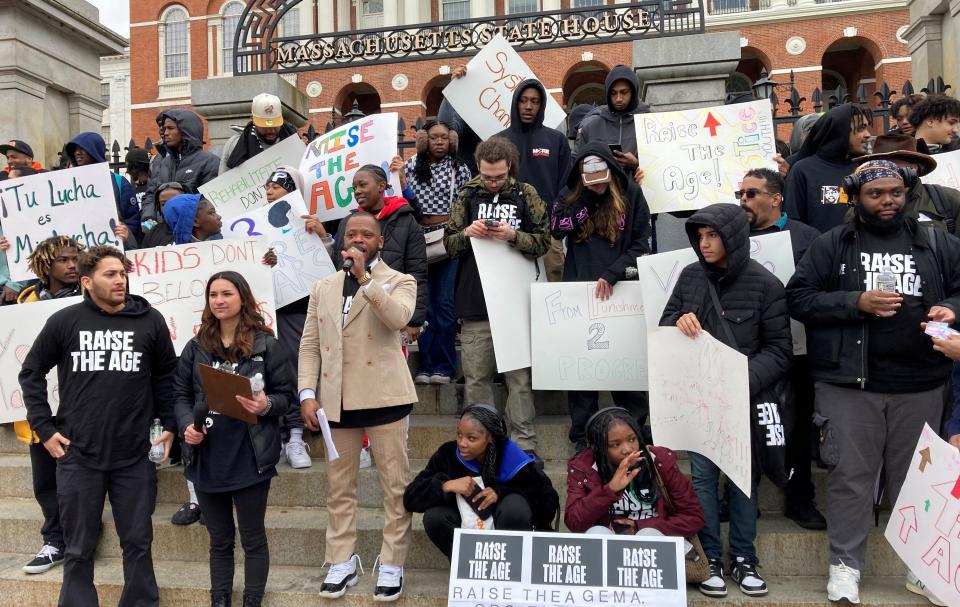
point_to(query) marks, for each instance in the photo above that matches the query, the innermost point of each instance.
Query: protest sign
(694, 158)
(537, 569)
(74, 202)
(506, 275)
(947, 172)
(242, 188)
(582, 343)
(174, 280)
(19, 327)
(924, 527)
(484, 97)
(329, 162)
(700, 400)
(302, 259)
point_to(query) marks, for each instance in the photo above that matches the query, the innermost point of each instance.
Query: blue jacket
(123, 191)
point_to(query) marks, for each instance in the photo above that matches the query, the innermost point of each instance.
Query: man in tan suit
(351, 355)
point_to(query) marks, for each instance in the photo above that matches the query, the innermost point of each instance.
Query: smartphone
(491, 223)
(615, 147)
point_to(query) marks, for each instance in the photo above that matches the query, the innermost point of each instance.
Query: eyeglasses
(498, 179)
(751, 193)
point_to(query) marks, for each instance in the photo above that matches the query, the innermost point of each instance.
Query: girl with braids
(616, 484)
(515, 492)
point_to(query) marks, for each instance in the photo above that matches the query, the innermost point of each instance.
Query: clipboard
(221, 390)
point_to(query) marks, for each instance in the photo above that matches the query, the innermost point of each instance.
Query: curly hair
(936, 107)
(41, 260)
(251, 321)
(92, 257)
(605, 221)
(910, 101)
(496, 427)
(496, 149)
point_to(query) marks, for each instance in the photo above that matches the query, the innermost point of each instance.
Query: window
(105, 93)
(290, 23)
(372, 13)
(176, 50)
(231, 19)
(456, 9)
(523, 6)
(587, 3)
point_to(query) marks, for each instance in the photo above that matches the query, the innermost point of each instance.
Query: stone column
(85, 114)
(325, 23)
(390, 13)
(411, 12)
(925, 41)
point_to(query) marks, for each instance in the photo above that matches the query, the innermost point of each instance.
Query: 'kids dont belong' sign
(331, 160)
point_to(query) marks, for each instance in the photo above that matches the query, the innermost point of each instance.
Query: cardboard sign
(694, 158)
(700, 400)
(243, 188)
(74, 202)
(485, 95)
(924, 527)
(947, 172)
(302, 259)
(582, 343)
(19, 327)
(329, 162)
(174, 280)
(537, 569)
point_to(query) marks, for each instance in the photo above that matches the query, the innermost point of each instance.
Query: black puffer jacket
(753, 300)
(280, 385)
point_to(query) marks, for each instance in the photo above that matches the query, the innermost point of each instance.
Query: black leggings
(511, 513)
(217, 508)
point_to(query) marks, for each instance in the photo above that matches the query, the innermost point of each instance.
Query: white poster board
(329, 162)
(19, 327)
(484, 97)
(74, 202)
(924, 527)
(700, 400)
(947, 172)
(506, 275)
(174, 280)
(582, 343)
(243, 187)
(697, 157)
(302, 259)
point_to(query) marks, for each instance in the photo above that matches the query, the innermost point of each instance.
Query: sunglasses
(751, 193)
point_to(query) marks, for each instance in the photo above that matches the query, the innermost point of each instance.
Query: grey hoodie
(605, 126)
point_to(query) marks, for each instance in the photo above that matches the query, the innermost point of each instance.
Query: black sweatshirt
(116, 375)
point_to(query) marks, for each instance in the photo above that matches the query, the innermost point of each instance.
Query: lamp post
(764, 87)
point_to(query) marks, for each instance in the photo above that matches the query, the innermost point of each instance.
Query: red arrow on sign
(712, 124)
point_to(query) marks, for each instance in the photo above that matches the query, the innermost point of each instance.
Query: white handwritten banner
(329, 162)
(924, 527)
(947, 172)
(700, 400)
(74, 202)
(582, 343)
(243, 188)
(19, 327)
(174, 279)
(484, 96)
(693, 158)
(302, 259)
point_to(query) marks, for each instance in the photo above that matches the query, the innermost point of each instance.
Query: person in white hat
(265, 129)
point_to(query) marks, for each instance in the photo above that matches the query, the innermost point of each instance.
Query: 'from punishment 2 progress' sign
(530, 569)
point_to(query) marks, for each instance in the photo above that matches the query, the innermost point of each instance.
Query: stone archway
(366, 96)
(584, 83)
(432, 95)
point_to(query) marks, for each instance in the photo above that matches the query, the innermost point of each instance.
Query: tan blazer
(359, 364)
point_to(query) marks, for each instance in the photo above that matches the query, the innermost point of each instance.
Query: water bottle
(886, 280)
(156, 451)
(256, 384)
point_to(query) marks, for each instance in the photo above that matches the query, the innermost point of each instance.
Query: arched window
(231, 19)
(176, 44)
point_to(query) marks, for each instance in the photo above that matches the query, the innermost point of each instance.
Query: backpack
(940, 204)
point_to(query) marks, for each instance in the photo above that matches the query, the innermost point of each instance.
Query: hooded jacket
(190, 165)
(246, 144)
(544, 151)
(752, 299)
(604, 125)
(123, 191)
(597, 257)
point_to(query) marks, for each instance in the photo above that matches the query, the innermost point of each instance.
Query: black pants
(799, 489)
(511, 513)
(217, 508)
(133, 495)
(584, 404)
(289, 332)
(45, 490)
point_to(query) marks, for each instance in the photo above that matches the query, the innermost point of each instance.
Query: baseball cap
(595, 170)
(267, 111)
(19, 146)
(137, 155)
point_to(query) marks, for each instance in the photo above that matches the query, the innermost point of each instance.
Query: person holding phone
(229, 461)
(613, 124)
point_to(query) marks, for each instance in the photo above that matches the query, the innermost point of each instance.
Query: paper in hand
(327, 437)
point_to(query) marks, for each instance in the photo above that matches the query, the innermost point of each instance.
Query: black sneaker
(806, 515)
(715, 586)
(48, 557)
(389, 584)
(188, 514)
(745, 574)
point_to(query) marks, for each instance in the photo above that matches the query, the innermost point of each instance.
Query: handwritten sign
(329, 162)
(582, 343)
(243, 187)
(484, 97)
(947, 172)
(700, 400)
(174, 279)
(536, 569)
(693, 158)
(74, 202)
(19, 327)
(924, 527)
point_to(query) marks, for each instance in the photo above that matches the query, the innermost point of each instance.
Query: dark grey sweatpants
(862, 432)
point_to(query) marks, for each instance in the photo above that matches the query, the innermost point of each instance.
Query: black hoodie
(597, 257)
(604, 125)
(116, 375)
(544, 152)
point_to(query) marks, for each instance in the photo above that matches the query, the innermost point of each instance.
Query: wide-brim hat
(899, 147)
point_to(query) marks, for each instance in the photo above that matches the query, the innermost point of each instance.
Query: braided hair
(598, 427)
(41, 260)
(494, 424)
(376, 172)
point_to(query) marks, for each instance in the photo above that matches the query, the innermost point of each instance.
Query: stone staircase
(793, 560)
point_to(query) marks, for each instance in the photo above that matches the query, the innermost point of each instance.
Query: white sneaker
(438, 378)
(340, 577)
(844, 585)
(298, 454)
(365, 460)
(389, 583)
(915, 586)
(421, 378)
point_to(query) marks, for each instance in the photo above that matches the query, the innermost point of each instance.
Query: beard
(881, 227)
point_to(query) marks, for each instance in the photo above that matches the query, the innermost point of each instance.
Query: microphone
(348, 263)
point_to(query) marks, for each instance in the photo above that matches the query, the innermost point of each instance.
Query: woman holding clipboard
(231, 461)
